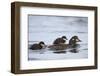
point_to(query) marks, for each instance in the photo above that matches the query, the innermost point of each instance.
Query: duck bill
(78, 40)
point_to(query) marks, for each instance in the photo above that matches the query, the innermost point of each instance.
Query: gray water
(48, 28)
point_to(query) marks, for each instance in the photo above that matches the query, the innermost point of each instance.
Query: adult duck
(38, 46)
(72, 43)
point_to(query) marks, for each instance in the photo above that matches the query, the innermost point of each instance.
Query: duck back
(58, 47)
(36, 47)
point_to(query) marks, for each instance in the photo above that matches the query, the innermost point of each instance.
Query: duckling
(73, 41)
(38, 46)
(60, 40)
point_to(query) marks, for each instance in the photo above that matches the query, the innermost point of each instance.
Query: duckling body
(37, 46)
(60, 40)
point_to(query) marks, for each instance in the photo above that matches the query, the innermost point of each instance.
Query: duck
(62, 46)
(60, 40)
(73, 41)
(38, 46)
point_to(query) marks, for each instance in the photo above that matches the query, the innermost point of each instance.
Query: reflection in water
(78, 51)
(58, 52)
(75, 52)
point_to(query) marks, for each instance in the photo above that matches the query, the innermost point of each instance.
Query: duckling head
(64, 38)
(42, 44)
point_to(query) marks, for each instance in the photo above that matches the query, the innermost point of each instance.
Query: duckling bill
(38, 46)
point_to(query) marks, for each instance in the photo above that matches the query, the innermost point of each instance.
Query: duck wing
(58, 47)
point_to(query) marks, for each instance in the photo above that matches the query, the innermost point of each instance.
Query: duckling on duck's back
(38, 46)
(72, 43)
(60, 40)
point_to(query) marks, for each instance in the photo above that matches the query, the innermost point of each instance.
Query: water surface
(48, 28)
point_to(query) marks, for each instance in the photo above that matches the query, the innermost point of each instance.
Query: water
(48, 28)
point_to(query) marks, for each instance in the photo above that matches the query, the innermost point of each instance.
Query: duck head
(74, 40)
(42, 44)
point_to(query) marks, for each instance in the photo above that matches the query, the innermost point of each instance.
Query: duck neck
(40, 46)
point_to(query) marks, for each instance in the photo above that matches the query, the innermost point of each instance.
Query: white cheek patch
(77, 39)
(43, 45)
(64, 39)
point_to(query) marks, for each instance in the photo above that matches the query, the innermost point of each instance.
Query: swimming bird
(72, 44)
(60, 40)
(73, 41)
(38, 46)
